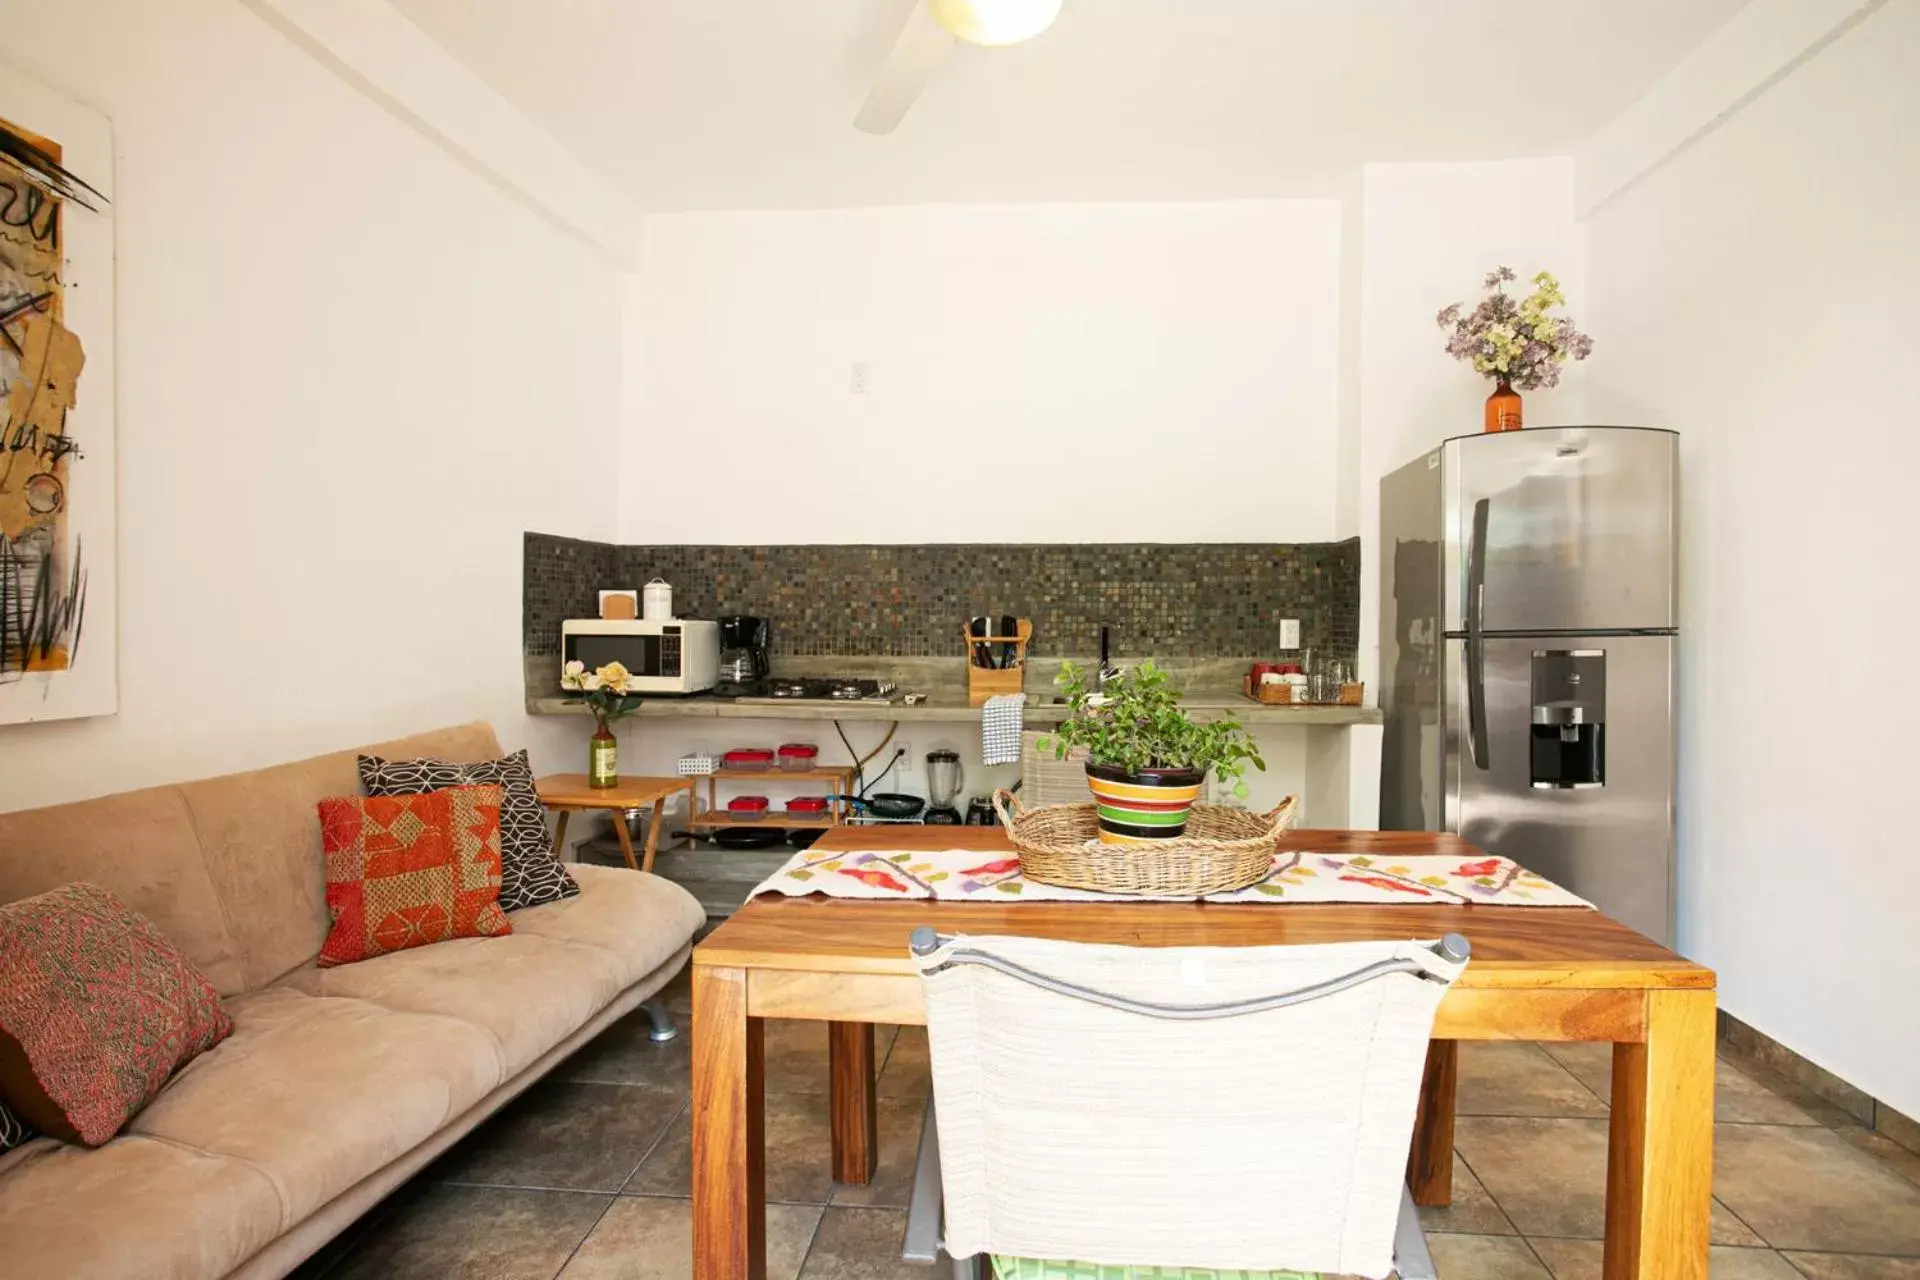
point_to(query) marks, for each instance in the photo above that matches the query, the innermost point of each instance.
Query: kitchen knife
(1009, 626)
(982, 657)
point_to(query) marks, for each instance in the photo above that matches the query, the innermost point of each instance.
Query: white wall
(1429, 234)
(1757, 292)
(351, 373)
(1052, 373)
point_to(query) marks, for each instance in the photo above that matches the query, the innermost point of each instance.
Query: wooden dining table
(1537, 973)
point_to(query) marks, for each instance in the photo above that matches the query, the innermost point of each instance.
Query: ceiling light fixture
(994, 22)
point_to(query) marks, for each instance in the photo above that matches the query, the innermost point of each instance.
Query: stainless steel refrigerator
(1528, 627)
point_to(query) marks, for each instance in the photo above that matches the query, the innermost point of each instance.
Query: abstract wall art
(58, 632)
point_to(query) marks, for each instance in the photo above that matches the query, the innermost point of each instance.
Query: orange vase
(1503, 408)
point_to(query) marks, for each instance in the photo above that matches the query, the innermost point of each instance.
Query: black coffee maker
(744, 658)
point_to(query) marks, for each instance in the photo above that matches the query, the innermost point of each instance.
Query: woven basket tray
(1223, 849)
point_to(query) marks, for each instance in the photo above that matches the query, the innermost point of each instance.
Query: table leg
(653, 834)
(729, 1130)
(560, 836)
(1430, 1163)
(1660, 1147)
(626, 839)
(856, 1150)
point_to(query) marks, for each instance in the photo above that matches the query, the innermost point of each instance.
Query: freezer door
(1410, 578)
(1575, 527)
(1577, 782)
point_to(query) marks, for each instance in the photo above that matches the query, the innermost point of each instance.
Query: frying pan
(888, 804)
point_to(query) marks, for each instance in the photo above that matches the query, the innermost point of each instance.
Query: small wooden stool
(566, 792)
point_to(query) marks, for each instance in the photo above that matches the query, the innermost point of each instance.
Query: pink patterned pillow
(97, 1009)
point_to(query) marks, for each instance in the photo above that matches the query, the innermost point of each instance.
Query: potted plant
(1147, 758)
(1520, 345)
(604, 692)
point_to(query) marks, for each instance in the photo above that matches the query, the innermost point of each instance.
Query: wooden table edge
(1620, 975)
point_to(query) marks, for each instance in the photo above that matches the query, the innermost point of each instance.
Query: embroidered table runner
(1296, 877)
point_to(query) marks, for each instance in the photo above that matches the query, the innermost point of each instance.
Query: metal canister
(656, 600)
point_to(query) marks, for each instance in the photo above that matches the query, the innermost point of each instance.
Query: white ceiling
(704, 104)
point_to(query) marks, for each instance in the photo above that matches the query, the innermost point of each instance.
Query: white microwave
(679, 655)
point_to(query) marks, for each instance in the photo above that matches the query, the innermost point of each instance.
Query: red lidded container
(808, 805)
(748, 758)
(798, 755)
(752, 805)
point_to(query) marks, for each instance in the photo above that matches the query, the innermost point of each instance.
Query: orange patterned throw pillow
(406, 871)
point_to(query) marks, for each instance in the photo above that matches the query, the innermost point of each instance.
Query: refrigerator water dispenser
(1569, 718)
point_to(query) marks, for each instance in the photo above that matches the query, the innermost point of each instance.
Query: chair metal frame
(925, 1242)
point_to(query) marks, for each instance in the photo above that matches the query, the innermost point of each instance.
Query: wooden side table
(565, 793)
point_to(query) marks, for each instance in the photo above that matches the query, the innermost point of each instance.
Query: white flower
(590, 681)
(574, 668)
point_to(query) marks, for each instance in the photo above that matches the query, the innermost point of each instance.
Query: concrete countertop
(936, 708)
(1211, 691)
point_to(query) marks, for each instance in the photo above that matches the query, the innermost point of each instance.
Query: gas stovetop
(823, 689)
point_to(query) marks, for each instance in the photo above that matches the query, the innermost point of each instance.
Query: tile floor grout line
(588, 1235)
(1757, 1235)
(686, 1108)
(813, 1238)
(1527, 1242)
(1482, 1182)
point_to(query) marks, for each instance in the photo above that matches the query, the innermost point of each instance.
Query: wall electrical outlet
(1289, 633)
(861, 380)
(905, 766)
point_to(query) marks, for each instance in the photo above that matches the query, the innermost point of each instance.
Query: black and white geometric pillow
(529, 873)
(13, 1130)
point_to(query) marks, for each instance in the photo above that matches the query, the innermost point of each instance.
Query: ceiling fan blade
(918, 52)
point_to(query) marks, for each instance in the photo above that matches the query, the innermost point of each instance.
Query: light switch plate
(1289, 633)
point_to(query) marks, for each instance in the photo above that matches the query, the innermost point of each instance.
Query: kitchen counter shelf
(830, 773)
(954, 710)
(722, 818)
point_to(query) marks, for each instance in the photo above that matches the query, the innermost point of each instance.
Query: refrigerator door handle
(1476, 636)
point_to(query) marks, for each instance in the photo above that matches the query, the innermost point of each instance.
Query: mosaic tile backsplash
(1200, 600)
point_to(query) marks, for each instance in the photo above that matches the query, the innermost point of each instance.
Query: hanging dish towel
(1000, 720)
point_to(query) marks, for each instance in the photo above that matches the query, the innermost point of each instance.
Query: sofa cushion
(526, 994)
(563, 963)
(262, 846)
(134, 1207)
(529, 873)
(318, 1093)
(409, 871)
(97, 1009)
(142, 846)
(637, 918)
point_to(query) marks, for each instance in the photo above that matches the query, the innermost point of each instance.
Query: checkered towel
(1000, 720)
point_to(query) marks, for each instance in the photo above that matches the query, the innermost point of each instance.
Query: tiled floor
(585, 1177)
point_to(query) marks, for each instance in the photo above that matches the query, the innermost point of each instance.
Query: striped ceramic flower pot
(1139, 808)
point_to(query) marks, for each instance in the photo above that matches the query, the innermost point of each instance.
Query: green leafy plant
(1137, 723)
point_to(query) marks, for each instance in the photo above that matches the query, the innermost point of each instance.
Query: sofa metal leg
(663, 1028)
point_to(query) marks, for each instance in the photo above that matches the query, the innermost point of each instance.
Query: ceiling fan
(928, 36)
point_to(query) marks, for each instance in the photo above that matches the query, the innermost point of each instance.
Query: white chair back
(1189, 1133)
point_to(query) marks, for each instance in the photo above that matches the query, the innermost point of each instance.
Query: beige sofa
(336, 1084)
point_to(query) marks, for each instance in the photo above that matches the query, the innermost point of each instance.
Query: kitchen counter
(938, 707)
(1327, 755)
(1211, 691)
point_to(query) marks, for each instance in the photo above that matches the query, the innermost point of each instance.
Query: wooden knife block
(990, 682)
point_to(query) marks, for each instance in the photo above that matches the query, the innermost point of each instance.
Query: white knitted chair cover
(1267, 1140)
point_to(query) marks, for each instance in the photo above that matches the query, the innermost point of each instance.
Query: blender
(943, 786)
